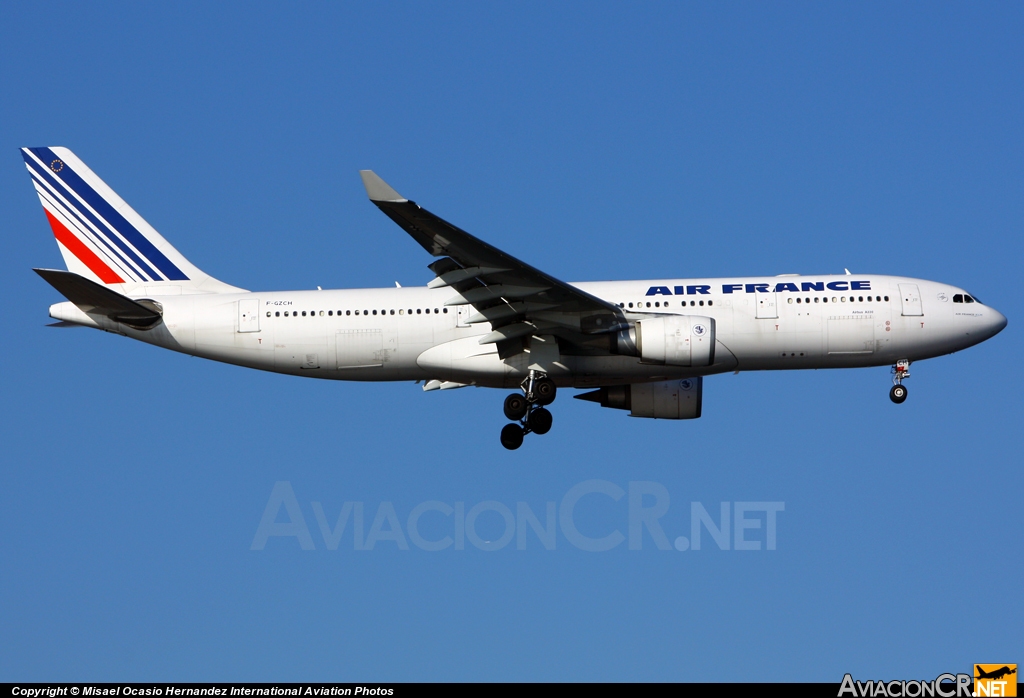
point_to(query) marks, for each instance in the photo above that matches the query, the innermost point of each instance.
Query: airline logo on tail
(99, 234)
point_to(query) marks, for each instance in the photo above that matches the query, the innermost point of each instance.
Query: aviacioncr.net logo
(943, 686)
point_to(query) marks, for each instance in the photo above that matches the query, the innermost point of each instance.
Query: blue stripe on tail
(129, 232)
(86, 230)
(104, 229)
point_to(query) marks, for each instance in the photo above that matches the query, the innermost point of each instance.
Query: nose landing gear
(528, 410)
(900, 371)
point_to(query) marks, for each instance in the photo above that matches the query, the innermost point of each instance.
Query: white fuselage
(409, 334)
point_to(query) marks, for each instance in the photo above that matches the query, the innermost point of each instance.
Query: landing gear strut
(528, 410)
(900, 371)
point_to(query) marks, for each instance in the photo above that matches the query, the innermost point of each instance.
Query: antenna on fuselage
(847, 272)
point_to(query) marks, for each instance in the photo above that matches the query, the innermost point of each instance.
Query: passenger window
(436, 311)
(648, 304)
(711, 302)
(693, 303)
(392, 312)
(419, 311)
(843, 299)
(702, 304)
(887, 299)
(444, 310)
(321, 313)
(791, 300)
(630, 305)
(268, 313)
(303, 313)
(277, 314)
(349, 312)
(330, 313)
(860, 299)
(816, 299)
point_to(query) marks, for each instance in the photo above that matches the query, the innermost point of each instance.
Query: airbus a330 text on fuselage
(487, 319)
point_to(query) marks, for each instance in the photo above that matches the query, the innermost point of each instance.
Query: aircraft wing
(517, 299)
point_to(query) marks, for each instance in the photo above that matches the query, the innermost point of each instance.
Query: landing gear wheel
(544, 391)
(540, 421)
(898, 394)
(512, 436)
(515, 407)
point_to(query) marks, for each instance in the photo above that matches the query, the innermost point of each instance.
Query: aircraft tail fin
(102, 238)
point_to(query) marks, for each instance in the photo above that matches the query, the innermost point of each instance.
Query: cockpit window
(958, 298)
(968, 299)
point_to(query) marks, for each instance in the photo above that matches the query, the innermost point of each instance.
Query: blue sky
(596, 141)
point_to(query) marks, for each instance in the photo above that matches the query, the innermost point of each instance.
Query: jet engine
(676, 340)
(672, 399)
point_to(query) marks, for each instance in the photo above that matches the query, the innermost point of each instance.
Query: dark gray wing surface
(517, 299)
(93, 298)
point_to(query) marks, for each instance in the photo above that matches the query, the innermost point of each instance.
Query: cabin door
(765, 302)
(911, 298)
(249, 315)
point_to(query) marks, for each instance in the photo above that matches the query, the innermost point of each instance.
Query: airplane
(995, 674)
(488, 319)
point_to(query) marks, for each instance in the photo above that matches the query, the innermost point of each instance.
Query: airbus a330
(487, 319)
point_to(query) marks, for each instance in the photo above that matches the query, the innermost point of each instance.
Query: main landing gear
(527, 411)
(900, 371)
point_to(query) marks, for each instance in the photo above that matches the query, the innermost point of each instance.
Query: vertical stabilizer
(102, 238)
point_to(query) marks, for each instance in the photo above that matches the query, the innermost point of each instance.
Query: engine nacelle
(676, 340)
(673, 399)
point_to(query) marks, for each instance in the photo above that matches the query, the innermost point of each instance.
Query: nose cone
(996, 322)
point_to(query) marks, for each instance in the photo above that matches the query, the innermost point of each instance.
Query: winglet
(377, 189)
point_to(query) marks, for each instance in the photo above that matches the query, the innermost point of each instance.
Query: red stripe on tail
(84, 254)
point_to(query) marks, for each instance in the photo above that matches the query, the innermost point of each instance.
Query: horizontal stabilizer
(91, 297)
